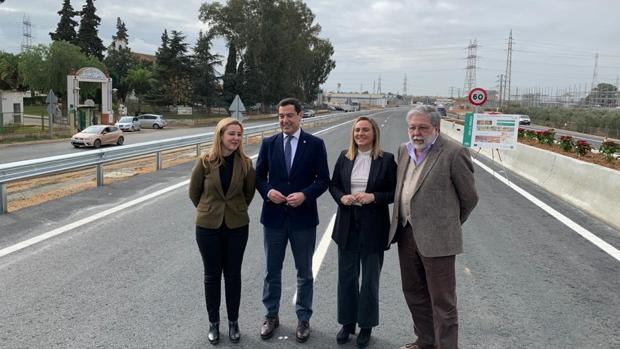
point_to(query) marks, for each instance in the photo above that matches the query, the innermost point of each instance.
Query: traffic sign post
(52, 102)
(236, 108)
(477, 97)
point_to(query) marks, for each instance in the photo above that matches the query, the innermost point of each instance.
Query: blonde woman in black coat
(362, 185)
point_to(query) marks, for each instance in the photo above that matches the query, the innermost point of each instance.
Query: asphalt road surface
(19, 152)
(132, 277)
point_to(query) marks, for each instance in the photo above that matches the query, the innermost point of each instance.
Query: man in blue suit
(291, 173)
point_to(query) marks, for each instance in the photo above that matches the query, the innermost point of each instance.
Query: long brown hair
(214, 158)
(376, 142)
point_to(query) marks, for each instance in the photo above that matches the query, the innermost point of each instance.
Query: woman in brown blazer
(221, 188)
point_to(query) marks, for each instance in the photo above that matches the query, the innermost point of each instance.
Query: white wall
(592, 188)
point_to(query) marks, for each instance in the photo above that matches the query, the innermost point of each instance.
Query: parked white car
(128, 123)
(152, 121)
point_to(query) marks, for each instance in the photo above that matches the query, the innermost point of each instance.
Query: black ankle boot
(214, 333)
(233, 331)
(364, 337)
(343, 335)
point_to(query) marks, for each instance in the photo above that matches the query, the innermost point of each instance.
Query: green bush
(582, 147)
(608, 149)
(567, 143)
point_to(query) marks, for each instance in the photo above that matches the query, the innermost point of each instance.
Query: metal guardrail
(28, 169)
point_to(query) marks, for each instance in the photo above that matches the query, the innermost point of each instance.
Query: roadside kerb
(28, 169)
(593, 188)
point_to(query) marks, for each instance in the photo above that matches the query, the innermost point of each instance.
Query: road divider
(595, 189)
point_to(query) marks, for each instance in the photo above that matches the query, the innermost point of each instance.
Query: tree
(9, 72)
(288, 57)
(604, 95)
(173, 71)
(87, 37)
(230, 74)
(66, 26)
(119, 60)
(205, 82)
(46, 67)
(140, 80)
(121, 31)
(318, 70)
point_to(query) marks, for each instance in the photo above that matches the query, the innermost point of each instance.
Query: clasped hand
(293, 199)
(360, 198)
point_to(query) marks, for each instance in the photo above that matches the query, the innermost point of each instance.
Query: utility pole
(379, 85)
(508, 75)
(470, 73)
(594, 78)
(452, 92)
(501, 89)
(405, 86)
(617, 92)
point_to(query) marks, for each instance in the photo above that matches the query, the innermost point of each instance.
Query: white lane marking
(586, 234)
(29, 242)
(321, 251)
(50, 234)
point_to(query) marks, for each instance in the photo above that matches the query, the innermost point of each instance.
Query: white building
(364, 99)
(12, 106)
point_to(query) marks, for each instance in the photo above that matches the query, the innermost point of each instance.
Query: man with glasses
(435, 193)
(291, 173)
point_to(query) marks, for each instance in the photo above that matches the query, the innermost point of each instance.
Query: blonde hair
(376, 142)
(214, 158)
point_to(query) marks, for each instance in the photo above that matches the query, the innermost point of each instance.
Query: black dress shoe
(269, 325)
(303, 331)
(364, 337)
(233, 331)
(343, 335)
(214, 333)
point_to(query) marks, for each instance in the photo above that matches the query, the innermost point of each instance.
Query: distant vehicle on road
(309, 113)
(350, 107)
(441, 110)
(152, 121)
(524, 120)
(128, 123)
(97, 135)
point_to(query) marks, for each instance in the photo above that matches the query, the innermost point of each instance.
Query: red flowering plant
(582, 147)
(546, 136)
(608, 149)
(567, 143)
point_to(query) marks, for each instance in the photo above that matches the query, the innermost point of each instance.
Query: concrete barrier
(593, 188)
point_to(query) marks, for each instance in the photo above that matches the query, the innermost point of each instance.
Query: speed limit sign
(478, 96)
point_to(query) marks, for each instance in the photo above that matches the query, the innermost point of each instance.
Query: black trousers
(358, 304)
(222, 252)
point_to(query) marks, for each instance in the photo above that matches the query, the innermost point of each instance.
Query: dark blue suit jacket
(309, 175)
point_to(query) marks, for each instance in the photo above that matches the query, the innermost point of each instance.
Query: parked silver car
(152, 121)
(128, 123)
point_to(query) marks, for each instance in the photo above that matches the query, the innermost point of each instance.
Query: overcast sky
(554, 40)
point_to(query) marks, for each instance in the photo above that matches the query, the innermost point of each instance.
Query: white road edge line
(321, 251)
(50, 234)
(586, 234)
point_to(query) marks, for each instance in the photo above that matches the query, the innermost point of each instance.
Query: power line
(470, 74)
(508, 75)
